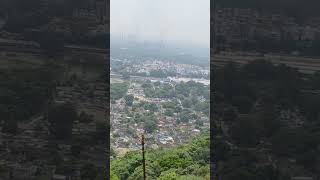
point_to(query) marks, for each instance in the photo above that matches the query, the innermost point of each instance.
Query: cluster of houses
(126, 133)
(157, 65)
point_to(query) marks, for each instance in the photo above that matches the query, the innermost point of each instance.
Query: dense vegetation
(182, 89)
(188, 95)
(118, 90)
(187, 162)
(267, 117)
(187, 101)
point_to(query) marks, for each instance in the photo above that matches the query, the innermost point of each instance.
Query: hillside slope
(187, 162)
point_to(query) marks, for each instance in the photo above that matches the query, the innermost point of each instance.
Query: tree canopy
(189, 161)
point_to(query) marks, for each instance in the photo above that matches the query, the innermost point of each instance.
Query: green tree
(186, 103)
(150, 123)
(168, 175)
(118, 90)
(113, 176)
(192, 177)
(151, 107)
(175, 160)
(129, 99)
(168, 112)
(191, 160)
(184, 116)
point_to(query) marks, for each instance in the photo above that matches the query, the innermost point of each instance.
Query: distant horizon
(188, 49)
(119, 40)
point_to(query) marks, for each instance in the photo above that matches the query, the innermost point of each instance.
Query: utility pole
(143, 158)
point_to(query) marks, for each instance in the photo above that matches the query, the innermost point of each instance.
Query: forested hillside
(187, 162)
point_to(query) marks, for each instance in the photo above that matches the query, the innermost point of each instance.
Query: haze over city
(166, 21)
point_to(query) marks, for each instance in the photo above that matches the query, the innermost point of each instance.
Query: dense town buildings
(126, 130)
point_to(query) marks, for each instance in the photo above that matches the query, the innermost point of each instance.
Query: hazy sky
(184, 21)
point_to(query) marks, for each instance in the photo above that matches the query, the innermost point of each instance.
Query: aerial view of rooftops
(160, 89)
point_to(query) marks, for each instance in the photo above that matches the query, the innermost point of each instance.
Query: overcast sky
(182, 21)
